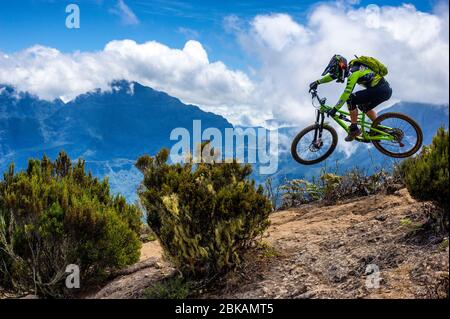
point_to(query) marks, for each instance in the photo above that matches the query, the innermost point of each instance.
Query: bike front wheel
(407, 135)
(310, 148)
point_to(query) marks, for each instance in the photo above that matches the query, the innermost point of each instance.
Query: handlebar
(316, 96)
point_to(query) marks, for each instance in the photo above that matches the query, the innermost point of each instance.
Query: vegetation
(331, 188)
(146, 234)
(53, 215)
(410, 225)
(170, 288)
(205, 215)
(272, 191)
(297, 192)
(427, 177)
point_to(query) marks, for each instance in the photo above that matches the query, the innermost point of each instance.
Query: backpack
(372, 63)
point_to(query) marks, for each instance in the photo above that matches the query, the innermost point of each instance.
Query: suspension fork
(320, 118)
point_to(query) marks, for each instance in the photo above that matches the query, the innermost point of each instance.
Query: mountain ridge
(110, 129)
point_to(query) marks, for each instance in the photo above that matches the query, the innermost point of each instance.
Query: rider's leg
(372, 114)
(354, 130)
(374, 97)
(367, 100)
(358, 99)
(354, 115)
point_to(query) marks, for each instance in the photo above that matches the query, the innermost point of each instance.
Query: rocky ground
(131, 282)
(365, 248)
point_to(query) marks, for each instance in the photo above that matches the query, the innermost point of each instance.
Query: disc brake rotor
(398, 136)
(316, 146)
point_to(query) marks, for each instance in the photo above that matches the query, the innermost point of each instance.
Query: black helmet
(338, 68)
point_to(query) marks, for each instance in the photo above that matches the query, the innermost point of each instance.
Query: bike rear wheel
(408, 136)
(307, 151)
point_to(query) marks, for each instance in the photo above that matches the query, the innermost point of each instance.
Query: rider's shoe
(353, 133)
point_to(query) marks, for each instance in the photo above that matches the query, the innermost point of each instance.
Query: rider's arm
(327, 78)
(351, 82)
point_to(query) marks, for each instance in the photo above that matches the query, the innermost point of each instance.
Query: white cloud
(190, 34)
(187, 73)
(127, 15)
(413, 44)
(277, 31)
(232, 23)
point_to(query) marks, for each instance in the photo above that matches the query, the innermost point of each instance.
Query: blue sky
(27, 22)
(250, 70)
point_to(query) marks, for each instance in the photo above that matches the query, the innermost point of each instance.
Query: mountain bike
(393, 134)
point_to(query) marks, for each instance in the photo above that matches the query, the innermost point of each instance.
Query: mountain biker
(377, 89)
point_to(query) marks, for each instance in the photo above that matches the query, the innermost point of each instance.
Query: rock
(381, 218)
(30, 297)
(336, 245)
(306, 295)
(338, 278)
(373, 240)
(393, 189)
(265, 290)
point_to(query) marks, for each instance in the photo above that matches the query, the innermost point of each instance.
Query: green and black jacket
(362, 76)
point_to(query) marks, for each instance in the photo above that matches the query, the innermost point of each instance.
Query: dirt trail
(132, 281)
(325, 252)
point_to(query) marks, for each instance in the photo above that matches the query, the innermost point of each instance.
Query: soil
(369, 247)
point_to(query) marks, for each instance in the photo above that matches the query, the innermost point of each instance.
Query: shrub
(331, 188)
(297, 192)
(355, 183)
(146, 234)
(204, 215)
(427, 178)
(169, 288)
(54, 214)
(330, 185)
(272, 191)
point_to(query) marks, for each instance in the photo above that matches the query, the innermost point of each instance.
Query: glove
(332, 112)
(313, 86)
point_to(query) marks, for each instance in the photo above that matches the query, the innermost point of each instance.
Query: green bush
(169, 288)
(427, 178)
(54, 214)
(205, 214)
(331, 188)
(355, 183)
(297, 192)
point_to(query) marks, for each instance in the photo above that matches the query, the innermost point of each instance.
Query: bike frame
(341, 118)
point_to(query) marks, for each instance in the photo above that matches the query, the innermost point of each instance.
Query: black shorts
(369, 98)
